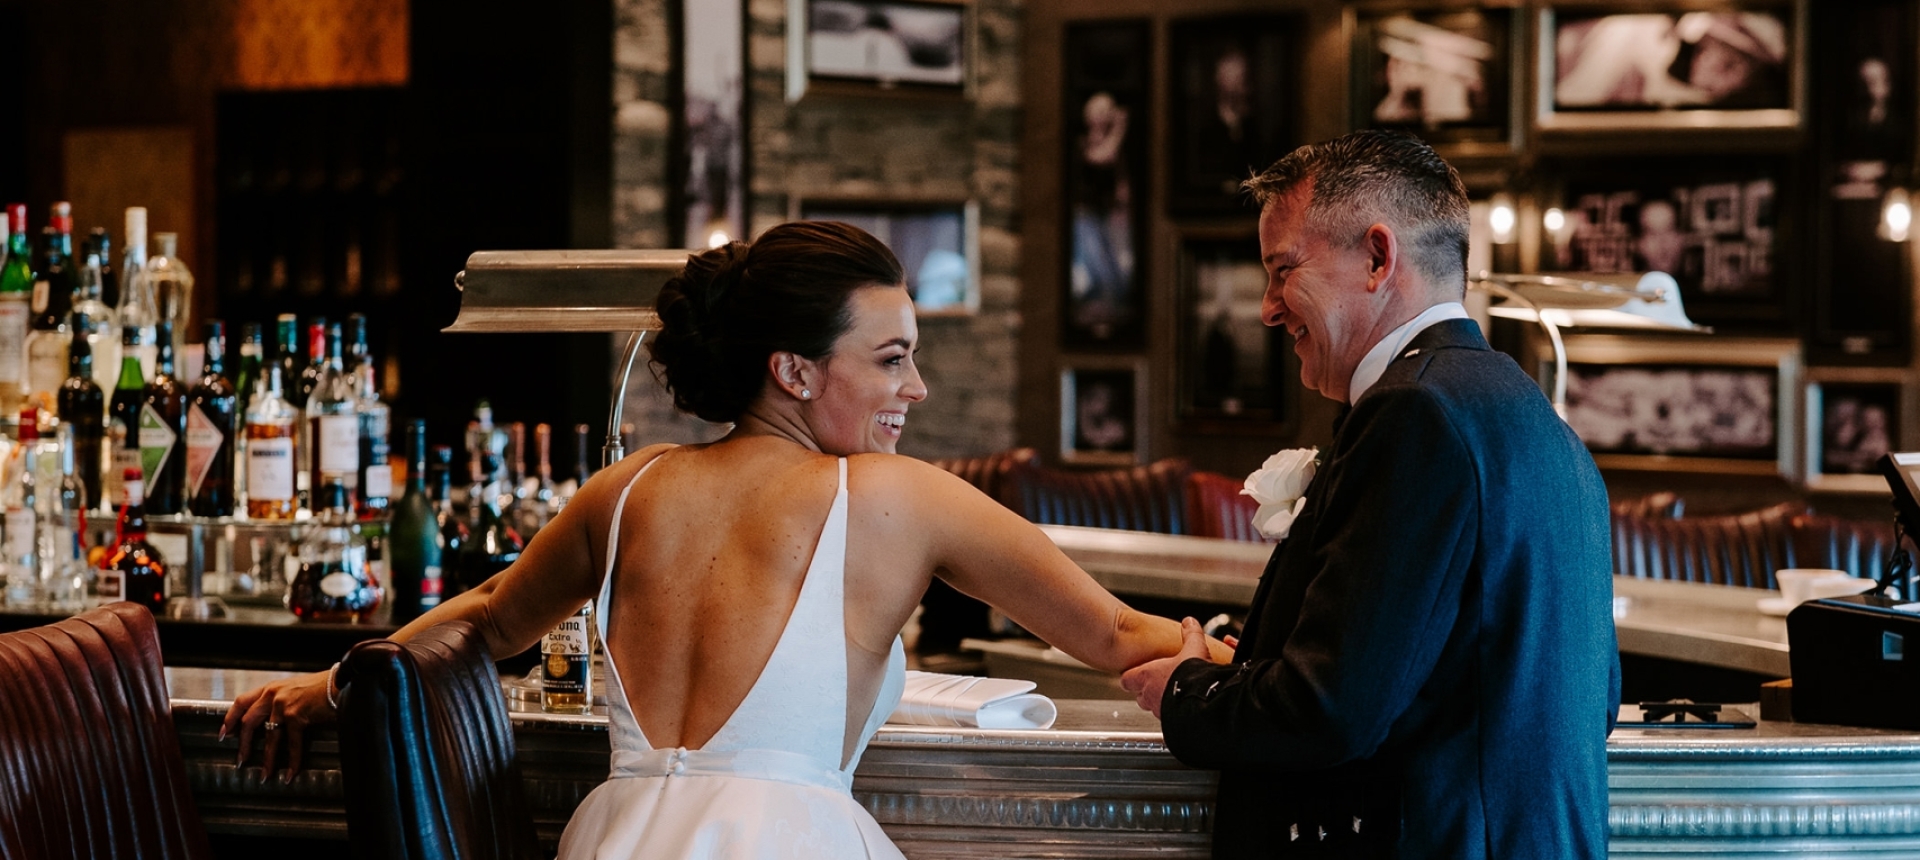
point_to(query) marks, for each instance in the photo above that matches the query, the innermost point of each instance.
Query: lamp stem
(1559, 391)
(616, 449)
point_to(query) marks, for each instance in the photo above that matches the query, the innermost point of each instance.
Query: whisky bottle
(163, 432)
(210, 436)
(270, 453)
(81, 405)
(567, 660)
(334, 582)
(142, 572)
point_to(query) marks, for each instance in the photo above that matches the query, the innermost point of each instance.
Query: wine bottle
(82, 405)
(270, 453)
(334, 583)
(123, 413)
(333, 422)
(414, 545)
(454, 534)
(54, 280)
(163, 432)
(137, 307)
(172, 286)
(374, 421)
(16, 290)
(21, 524)
(210, 436)
(100, 243)
(103, 333)
(142, 572)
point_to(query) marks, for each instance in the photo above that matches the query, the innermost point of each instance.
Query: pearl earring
(806, 394)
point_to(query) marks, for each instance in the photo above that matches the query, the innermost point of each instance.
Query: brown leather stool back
(1216, 508)
(989, 473)
(90, 765)
(427, 753)
(1149, 498)
(1733, 549)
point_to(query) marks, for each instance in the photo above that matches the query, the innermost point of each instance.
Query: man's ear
(1383, 255)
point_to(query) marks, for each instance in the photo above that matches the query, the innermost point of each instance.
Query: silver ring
(271, 726)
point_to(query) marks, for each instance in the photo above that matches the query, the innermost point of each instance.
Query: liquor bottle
(582, 462)
(142, 572)
(567, 652)
(252, 353)
(163, 432)
(172, 286)
(414, 545)
(137, 306)
(316, 358)
(54, 281)
(98, 242)
(123, 413)
(495, 544)
(103, 335)
(513, 490)
(333, 421)
(82, 405)
(210, 436)
(16, 290)
(357, 353)
(453, 530)
(72, 499)
(271, 461)
(541, 496)
(375, 422)
(21, 523)
(334, 583)
(286, 347)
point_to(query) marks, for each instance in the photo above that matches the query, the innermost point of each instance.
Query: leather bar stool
(427, 752)
(90, 765)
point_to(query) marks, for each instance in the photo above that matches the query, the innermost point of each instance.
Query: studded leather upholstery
(90, 766)
(1150, 498)
(427, 752)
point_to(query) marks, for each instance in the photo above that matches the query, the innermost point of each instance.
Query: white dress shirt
(1375, 362)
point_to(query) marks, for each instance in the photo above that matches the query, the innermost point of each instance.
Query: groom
(1428, 668)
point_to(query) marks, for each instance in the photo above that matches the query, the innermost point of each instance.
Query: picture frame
(936, 241)
(880, 47)
(1721, 226)
(1107, 96)
(1671, 65)
(1687, 404)
(710, 161)
(1852, 416)
(1446, 72)
(1103, 411)
(1233, 373)
(1235, 94)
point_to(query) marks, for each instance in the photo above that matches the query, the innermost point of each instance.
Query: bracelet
(332, 690)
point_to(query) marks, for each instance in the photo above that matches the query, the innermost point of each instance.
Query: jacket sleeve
(1390, 551)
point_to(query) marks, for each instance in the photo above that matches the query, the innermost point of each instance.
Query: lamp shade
(1643, 301)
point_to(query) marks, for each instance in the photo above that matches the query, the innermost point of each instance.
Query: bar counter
(1102, 784)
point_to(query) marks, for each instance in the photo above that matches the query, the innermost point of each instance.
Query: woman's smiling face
(869, 380)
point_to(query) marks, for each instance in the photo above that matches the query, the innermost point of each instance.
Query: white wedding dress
(768, 784)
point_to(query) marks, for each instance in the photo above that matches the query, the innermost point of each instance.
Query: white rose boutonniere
(1280, 486)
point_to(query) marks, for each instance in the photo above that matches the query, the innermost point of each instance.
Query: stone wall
(874, 146)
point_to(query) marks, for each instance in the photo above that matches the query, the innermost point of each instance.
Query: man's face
(1317, 292)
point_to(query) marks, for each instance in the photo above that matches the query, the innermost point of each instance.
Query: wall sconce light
(1501, 217)
(1896, 215)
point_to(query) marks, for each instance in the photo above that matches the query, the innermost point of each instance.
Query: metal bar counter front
(1101, 784)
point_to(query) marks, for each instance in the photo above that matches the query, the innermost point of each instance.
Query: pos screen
(1903, 476)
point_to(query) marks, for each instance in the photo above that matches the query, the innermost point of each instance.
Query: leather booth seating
(1216, 508)
(427, 752)
(988, 474)
(90, 765)
(1150, 498)
(1745, 549)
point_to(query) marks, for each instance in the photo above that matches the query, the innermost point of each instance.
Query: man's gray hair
(1379, 177)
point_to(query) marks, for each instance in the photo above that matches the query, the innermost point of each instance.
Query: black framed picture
(1850, 426)
(1103, 407)
(1445, 74)
(878, 44)
(1715, 225)
(1234, 91)
(1233, 370)
(936, 243)
(711, 165)
(1107, 91)
(1672, 65)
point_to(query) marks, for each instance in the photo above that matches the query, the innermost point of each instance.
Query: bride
(751, 591)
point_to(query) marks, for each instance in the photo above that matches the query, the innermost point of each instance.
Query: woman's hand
(283, 709)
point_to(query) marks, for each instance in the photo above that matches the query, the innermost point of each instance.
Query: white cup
(1801, 584)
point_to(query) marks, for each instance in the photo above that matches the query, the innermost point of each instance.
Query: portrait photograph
(1683, 68)
(1102, 414)
(1851, 425)
(887, 42)
(1675, 410)
(1232, 368)
(1107, 93)
(932, 241)
(712, 159)
(1443, 74)
(1234, 86)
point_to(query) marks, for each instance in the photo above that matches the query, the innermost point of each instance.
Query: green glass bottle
(415, 548)
(16, 289)
(123, 412)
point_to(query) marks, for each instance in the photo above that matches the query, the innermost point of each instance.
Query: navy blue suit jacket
(1429, 667)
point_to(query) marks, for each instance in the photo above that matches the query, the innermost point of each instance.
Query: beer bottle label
(567, 656)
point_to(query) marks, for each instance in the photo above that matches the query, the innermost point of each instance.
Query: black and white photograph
(1737, 67)
(1444, 74)
(1107, 90)
(1712, 226)
(932, 241)
(1856, 423)
(1101, 415)
(1676, 410)
(1231, 366)
(887, 43)
(713, 157)
(1236, 96)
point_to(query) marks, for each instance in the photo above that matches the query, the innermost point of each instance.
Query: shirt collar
(1375, 362)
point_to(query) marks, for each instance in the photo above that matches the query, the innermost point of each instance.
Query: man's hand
(1148, 681)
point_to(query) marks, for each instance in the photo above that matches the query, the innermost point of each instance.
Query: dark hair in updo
(734, 306)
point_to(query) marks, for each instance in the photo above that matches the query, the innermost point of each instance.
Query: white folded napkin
(933, 699)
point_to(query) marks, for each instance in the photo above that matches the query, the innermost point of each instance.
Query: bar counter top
(1102, 784)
